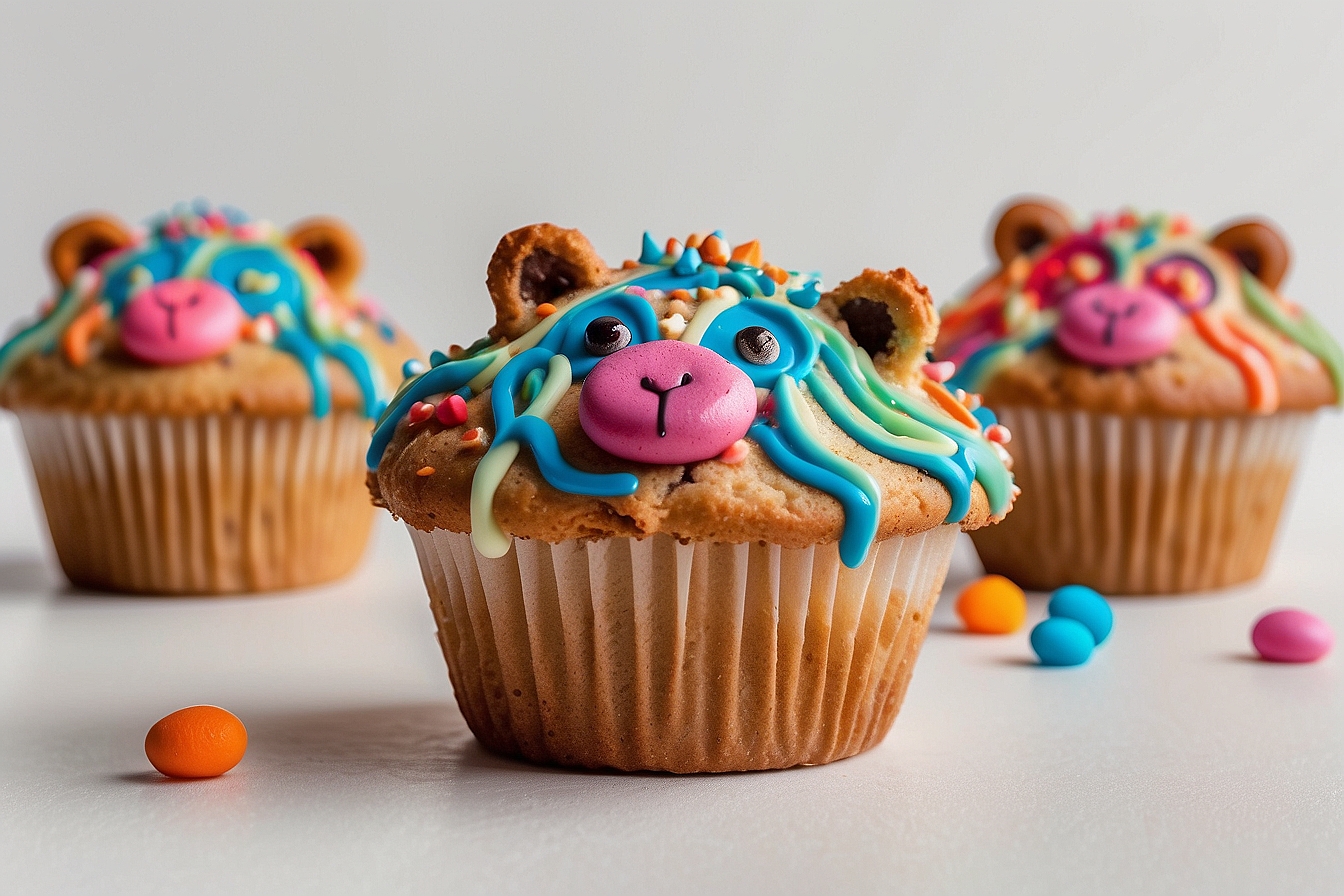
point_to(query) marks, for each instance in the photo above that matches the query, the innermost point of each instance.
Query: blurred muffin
(196, 401)
(735, 508)
(1159, 388)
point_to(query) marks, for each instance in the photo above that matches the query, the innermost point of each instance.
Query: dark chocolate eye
(757, 345)
(606, 335)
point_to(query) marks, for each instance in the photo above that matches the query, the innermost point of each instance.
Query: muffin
(735, 509)
(1160, 390)
(197, 400)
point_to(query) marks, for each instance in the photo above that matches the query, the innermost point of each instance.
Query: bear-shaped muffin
(646, 503)
(1159, 387)
(196, 400)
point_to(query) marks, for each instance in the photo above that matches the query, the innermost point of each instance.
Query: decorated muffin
(197, 401)
(1159, 389)
(691, 514)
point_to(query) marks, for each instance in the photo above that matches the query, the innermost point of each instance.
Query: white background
(841, 136)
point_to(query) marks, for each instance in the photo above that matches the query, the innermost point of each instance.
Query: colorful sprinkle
(420, 412)
(736, 452)
(452, 411)
(997, 432)
(714, 250)
(425, 471)
(545, 309)
(939, 371)
(748, 254)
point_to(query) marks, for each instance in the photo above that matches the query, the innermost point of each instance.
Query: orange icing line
(948, 402)
(75, 341)
(1262, 387)
(982, 297)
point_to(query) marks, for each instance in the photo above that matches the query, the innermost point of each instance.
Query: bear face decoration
(692, 353)
(1123, 290)
(200, 279)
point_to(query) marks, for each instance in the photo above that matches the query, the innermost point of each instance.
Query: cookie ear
(333, 247)
(82, 241)
(1258, 246)
(890, 315)
(1026, 226)
(537, 264)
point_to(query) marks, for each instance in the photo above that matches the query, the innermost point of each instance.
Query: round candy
(1082, 604)
(1292, 636)
(992, 605)
(180, 321)
(1062, 642)
(665, 402)
(1110, 325)
(196, 742)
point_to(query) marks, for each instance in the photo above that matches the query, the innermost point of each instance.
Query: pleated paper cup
(652, 654)
(1142, 505)
(201, 505)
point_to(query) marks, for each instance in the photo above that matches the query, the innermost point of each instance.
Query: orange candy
(196, 742)
(992, 606)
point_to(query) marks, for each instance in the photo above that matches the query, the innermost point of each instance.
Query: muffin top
(204, 312)
(699, 392)
(1138, 315)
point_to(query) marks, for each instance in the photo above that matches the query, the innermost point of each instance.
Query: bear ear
(537, 264)
(1026, 226)
(333, 247)
(82, 241)
(890, 315)
(1258, 246)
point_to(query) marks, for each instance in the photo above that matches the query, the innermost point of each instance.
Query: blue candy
(1062, 642)
(1082, 604)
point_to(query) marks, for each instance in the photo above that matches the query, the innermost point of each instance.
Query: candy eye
(606, 335)
(1185, 280)
(757, 345)
(1078, 261)
(255, 282)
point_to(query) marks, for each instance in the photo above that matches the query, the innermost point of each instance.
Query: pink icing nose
(178, 321)
(1114, 326)
(666, 402)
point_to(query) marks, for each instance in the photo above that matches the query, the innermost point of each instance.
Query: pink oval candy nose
(179, 321)
(666, 402)
(1114, 326)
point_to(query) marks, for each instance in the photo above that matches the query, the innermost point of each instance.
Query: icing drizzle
(533, 372)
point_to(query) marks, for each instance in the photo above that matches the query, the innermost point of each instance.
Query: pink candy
(1292, 636)
(179, 321)
(1111, 325)
(666, 402)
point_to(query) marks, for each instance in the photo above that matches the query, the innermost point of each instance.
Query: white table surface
(1174, 762)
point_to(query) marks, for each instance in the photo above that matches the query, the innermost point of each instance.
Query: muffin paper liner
(1142, 505)
(652, 654)
(208, 504)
